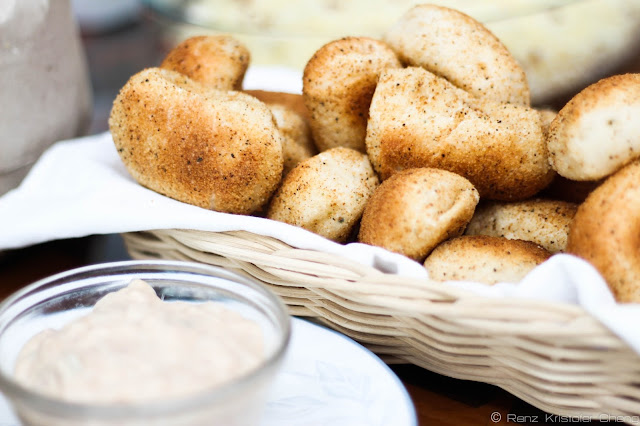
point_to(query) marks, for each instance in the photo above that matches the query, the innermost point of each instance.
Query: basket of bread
(422, 144)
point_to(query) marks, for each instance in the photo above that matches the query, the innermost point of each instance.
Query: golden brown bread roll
(544, 222)
(597, 132)
(457, 47)
(420, 120)
(414, 210)
(219, 150)
(606, 232)
(485, 259)
(326, 194)
(297, 144)
(217, 61)
(337, 87)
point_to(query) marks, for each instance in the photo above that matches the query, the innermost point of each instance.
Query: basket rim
(373, 276)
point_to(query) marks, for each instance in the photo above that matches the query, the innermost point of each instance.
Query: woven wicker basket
(554, 356)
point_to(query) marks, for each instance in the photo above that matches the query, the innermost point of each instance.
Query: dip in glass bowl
(164, 388)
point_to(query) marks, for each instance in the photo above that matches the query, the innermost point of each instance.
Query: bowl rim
(68, 409)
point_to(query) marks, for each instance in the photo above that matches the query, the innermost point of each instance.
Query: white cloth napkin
(80, 187)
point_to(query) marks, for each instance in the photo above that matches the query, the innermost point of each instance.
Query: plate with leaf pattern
(328, 379)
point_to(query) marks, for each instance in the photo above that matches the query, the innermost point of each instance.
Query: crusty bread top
(544, 222)
(418, 119)
(482, 258)
(455, 46)
(415, 209)
(217, 61)
(216, 149)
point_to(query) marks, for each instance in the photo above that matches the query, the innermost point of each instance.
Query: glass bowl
(563, 45)
(57, 300)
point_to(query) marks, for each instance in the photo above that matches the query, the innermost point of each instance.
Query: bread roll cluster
(448, 126)
(459, 102)
(596, 138)
(186, 130)
(423, 143)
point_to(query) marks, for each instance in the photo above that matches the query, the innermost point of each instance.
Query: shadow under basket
(555, 356)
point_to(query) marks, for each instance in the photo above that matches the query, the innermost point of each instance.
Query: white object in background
(44, 85)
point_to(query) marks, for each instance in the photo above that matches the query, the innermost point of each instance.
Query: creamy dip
(134, 347)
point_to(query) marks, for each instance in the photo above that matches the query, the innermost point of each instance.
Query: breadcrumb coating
(326, 193)
(484, 259)
(219, 150)
(414, 210)
(544, 222)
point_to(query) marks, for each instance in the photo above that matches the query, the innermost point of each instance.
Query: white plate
(327, 379)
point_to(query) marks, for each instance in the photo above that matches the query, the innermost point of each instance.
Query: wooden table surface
(112, 58)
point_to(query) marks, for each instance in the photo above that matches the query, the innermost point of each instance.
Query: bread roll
(606, 232)
(216, 61)
(597, 132)
(416, 209)
(337, 85)
(219, 150)
(484, 259)
(326, 194)
(420, 120)
(544, 222)
(457, 47)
